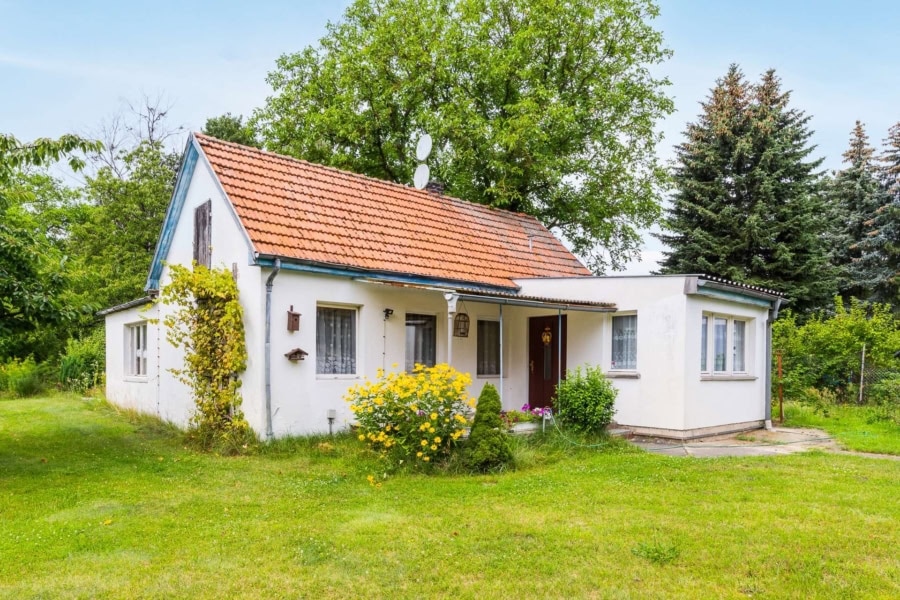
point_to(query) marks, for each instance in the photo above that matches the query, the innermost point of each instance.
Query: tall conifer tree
(884, 239)
(747, 204)
(854, 196)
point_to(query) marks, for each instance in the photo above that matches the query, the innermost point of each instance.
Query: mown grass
(97, 504)
(859, 428)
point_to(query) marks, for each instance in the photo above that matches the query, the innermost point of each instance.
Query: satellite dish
(420, 179)
(423, 148)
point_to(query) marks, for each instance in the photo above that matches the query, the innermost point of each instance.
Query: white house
(380, 273)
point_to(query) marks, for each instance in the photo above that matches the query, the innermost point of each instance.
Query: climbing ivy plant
(208, 324)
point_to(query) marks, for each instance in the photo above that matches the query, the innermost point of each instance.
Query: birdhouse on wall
(293, 320)
(297, 354)
(461, 325)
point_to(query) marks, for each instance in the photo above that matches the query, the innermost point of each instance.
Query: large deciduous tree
(31, 277)
(539, 106)
(229, 128)
(118, 237)
(747, 204)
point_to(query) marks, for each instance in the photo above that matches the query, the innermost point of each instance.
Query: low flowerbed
(526, 414)
(416, 416)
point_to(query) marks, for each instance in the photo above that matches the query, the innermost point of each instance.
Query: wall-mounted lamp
(388, 313)
(332, 415)
(461, 325)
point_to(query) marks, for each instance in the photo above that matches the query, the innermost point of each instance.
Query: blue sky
(66, 66)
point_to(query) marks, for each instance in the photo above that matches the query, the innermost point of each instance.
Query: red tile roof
(293, 209)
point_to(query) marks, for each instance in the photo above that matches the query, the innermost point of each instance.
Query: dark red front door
(544, 358)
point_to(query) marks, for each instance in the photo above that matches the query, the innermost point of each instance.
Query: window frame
(478, 322)
(203, 234)
(136, 350)
(612, 341)
(355, 310)
(729, 372)
(406, 363)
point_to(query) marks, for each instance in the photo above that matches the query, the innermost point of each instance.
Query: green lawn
(93, 504)
(854, 427)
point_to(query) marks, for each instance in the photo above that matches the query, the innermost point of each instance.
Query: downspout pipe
(773, 315)
(270, 282)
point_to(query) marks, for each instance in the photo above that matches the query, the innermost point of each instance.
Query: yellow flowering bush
(416, 416)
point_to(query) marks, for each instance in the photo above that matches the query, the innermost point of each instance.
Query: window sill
(623, 375)
(326, 377)
(136, 379)
(496, 376)
(725, 377)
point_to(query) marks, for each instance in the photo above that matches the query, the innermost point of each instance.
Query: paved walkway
(761, 442)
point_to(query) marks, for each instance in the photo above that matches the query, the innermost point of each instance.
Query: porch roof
(506, 298)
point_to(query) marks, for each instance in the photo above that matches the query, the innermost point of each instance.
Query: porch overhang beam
(486, 299)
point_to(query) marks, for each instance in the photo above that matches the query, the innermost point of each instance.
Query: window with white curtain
(624, 342)
(136, 353)
(728, 343)
(335, 341)
(421, 340)
(488, 347)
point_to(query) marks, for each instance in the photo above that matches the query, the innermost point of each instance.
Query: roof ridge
(375, 180)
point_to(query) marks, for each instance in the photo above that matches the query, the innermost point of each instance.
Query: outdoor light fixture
(332, 415)
(388, 312)
(461, 325)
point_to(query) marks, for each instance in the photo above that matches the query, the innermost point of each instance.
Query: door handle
(531, 365)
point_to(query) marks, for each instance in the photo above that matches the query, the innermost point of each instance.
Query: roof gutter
(268, 260)
(773, 315)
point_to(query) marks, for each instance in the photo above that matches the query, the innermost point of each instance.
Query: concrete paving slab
(760, 442)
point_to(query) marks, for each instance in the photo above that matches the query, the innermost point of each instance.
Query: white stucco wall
(229, 249)
(301, 398)
(138, 393)
(670, 393)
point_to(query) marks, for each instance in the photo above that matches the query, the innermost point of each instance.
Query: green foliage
(231, 129)
(538, 106)
(207, 322)
(825, 352)
(414, 418)
(886, 391)
(586, 401)
(747, 205)
(83, 364)
(17, 156)
(488, 446)
(22, 377)
(115, 241)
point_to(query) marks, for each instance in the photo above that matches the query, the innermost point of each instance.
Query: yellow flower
(433, 416)
(419, 454)
(424, 442)
(437, 440)
(362, 437)
(433, 447)
(426, 458)
(393, 365)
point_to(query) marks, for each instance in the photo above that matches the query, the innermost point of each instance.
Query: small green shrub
(488, 446)
(82, 366)
(22, 378)
(585, 400)
(885, 392)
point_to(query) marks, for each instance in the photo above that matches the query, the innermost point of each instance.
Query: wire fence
(851, 378)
